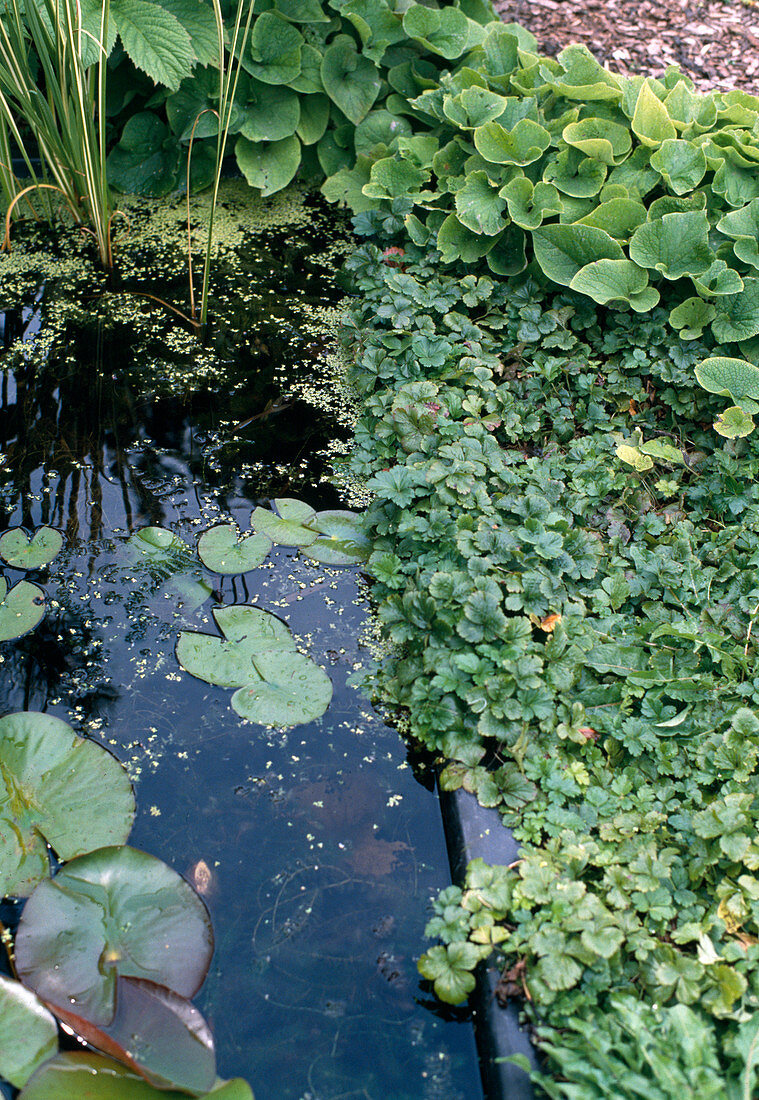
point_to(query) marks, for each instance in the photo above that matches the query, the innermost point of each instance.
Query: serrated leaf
(197, 18)
(155, 40)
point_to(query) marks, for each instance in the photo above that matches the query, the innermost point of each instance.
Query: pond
(316, 848)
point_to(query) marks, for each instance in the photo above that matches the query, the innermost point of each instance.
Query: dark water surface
(317, 849)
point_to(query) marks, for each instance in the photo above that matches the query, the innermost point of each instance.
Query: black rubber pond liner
(471, 832)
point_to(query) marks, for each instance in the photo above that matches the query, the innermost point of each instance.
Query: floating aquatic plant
(21, 609)
(72, 1076)
(20, 551)
(222, 551)
(289, 525)
(59, 790)
(28, 1032)
(275, 684)
(341, 540)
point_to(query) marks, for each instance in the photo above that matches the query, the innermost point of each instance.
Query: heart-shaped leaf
(289, 527)
(28, 1033)
(57, 789)
(268, 165)
(222, 551)
(273, 50)
(22, 552)
(114, 912)
(351, 81)
(292, 690)
(159, 544)
(79, 1076)
(21, 609)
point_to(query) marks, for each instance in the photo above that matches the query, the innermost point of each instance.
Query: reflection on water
(316, 849)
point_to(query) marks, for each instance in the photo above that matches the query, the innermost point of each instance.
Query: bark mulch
(717, 44)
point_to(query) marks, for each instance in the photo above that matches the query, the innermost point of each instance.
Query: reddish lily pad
(116, 912)
(55, 789)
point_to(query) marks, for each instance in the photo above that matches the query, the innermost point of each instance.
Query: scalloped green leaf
(650, 123)
(479, 206)
(20, 551)
(734, 423)
(575, 175)
(116, 912)
(28, 1032)
(529, 204)
(55, 789)
(456, 242)
(474, 107)
(393, 177)
(717, 280)
(681, 164)
(599, 138)
(676, 244)
(616, 281)
(22, 608)
(691, 317)
(223, 550)
(743, 226)
(521, 144)
(293, 690)
(443, 31)
(563, 250)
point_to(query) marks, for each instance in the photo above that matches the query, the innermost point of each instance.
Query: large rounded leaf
(92, 1077)
(28, 1033)
(342, 540)
(22, 552)
(736, 378)
(293, 525)
(239, 622)
(57, 789)
(293, 690)
(268, 165)
(21, 609)
(115, 912)
(218, 662)
(350, 80)
(155, 1032)
(273, 50)
(222, 551)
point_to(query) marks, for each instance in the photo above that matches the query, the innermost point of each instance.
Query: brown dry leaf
(376, 857)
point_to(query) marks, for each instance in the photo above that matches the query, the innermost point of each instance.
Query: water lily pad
(342, 540)
(22, 552)
(21, 609)
(79, 1076)
(240, 622)
(160, 545)
(292, 690)
(28, 1033)
(57, 789)
(222, 551)
(157, 1033)
(114, 912)
(218, 662)
(288, 526)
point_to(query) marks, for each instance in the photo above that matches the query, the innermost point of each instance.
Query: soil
(717, 44)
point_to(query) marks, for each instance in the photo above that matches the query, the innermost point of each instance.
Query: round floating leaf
(115, 912)
(293, 691)
(222, 551)
(240, 622)
(155, 1032)
(289, 527)
(56, 789)
(79, 1076)
(28, 1033)
(342, 540)
(22, 552)
(21, 609)
(223, 664)
(160, 545)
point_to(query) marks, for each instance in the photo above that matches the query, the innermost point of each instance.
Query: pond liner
(472, 831)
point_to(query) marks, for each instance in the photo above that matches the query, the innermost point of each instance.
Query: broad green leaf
(501, 50)
(302, 11)
(197, 18)
(309, 79)
(443, 31)
(563, 250)
(22, 552)
(599, 138)
(347, 184)
(377, 24)
(650, 123)
(380, 128)
(675, 245)
(21, 609)
(292, 526)
(616, 281)
(635, 174)
(507, 256)
(114, 912)
(292, 690)
(272, 112)
(522, 144)
(691, 317)
(681, 164)
(79, 1076)
(743, 226)
(56, 789)
(342, 539)
(728, 377)
(28, 1033)
(617, 217)
(216, 661)
(273, 50)
(257, 628)
(717, 280)
(314, 117)
(479, 206)
(456, 242)
(583, 78)
(474, 107)
(155, 40)
(530, 204)
(394, 177)
(665, 452)
(268, 165)
(575, 175)
(689, 109)
(350, 80)
(222, 550)
(146, 159)
(734, 423)
(633, 457)
(737, 314)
